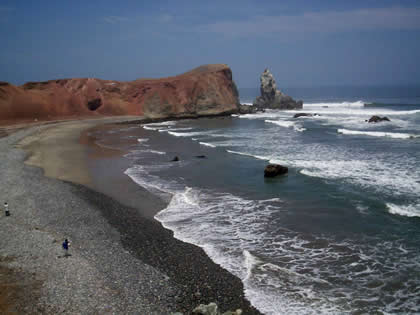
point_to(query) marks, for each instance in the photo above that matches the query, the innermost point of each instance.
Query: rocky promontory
(273, 98)
(208, 90)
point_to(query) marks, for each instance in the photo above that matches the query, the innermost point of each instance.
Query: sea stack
(273, 98)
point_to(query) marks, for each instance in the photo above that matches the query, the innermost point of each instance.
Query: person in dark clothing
(66, 245)
(6, 209)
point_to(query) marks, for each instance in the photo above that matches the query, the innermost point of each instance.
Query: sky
(303, 43)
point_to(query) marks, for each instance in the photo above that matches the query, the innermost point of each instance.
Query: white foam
(396, 135)
(208, 144)
(181, 129)
(379, 175)
(188, 134)
(265, 158)
(358, 104)
(412, 210)
(142, 140)
(155, 152)
(266, 114)
(141, 175)
(250, 261)
(150, 128)
(161, 124)
(287, 124)
(354, 111)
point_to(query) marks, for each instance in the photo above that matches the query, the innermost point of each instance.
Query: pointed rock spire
(271, 97)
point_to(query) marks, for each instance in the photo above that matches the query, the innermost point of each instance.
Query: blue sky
(304, 43)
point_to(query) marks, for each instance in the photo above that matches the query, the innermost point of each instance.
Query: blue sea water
(339, 234)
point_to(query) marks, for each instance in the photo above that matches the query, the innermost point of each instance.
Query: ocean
(338, 234)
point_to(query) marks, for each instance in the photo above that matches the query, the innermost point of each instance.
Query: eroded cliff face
(205, 91)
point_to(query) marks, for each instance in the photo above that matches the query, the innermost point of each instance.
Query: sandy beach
(122, 260)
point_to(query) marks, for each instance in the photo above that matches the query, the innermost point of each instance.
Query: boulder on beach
(273, 98)
(272, 170)
(375, 119)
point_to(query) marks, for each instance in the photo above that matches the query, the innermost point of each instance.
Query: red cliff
(205, 91)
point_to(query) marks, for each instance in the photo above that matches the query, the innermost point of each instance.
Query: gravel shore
(121, 261)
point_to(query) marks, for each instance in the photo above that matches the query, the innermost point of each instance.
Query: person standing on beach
(6, 209)
(66, 245)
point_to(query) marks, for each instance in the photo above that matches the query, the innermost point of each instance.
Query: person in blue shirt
(66, 245)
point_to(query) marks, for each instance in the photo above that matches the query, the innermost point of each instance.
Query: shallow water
(338, 234)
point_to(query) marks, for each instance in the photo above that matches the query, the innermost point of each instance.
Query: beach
(121, 260)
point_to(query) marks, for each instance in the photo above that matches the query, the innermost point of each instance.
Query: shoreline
(179, 275)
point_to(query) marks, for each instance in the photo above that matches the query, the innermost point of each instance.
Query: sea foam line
(357, 104)
(260, 157)
(187, 134)
(208, 144)
(396, 135)
(287, 124)
(407, 210)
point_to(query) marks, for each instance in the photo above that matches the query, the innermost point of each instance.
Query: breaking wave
(396, 135)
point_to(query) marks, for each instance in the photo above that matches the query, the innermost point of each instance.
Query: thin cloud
(114, 19)
(395, 18)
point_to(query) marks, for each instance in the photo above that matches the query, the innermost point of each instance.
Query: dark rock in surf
(273, 98)
(272, 170)
(175, 159)
(305, 115)
(201, 157)
(247, 109)
(375, 119)
(250, 109)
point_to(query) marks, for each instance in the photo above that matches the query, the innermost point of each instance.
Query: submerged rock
(273, 98)
(375, 119)
(272, 170)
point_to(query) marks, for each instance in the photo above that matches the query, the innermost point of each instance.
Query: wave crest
(396, 135)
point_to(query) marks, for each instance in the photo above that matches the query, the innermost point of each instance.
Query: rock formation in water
(305, 115)
(205, 91)
(271, 97)
(272, 170)
(375, 119)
